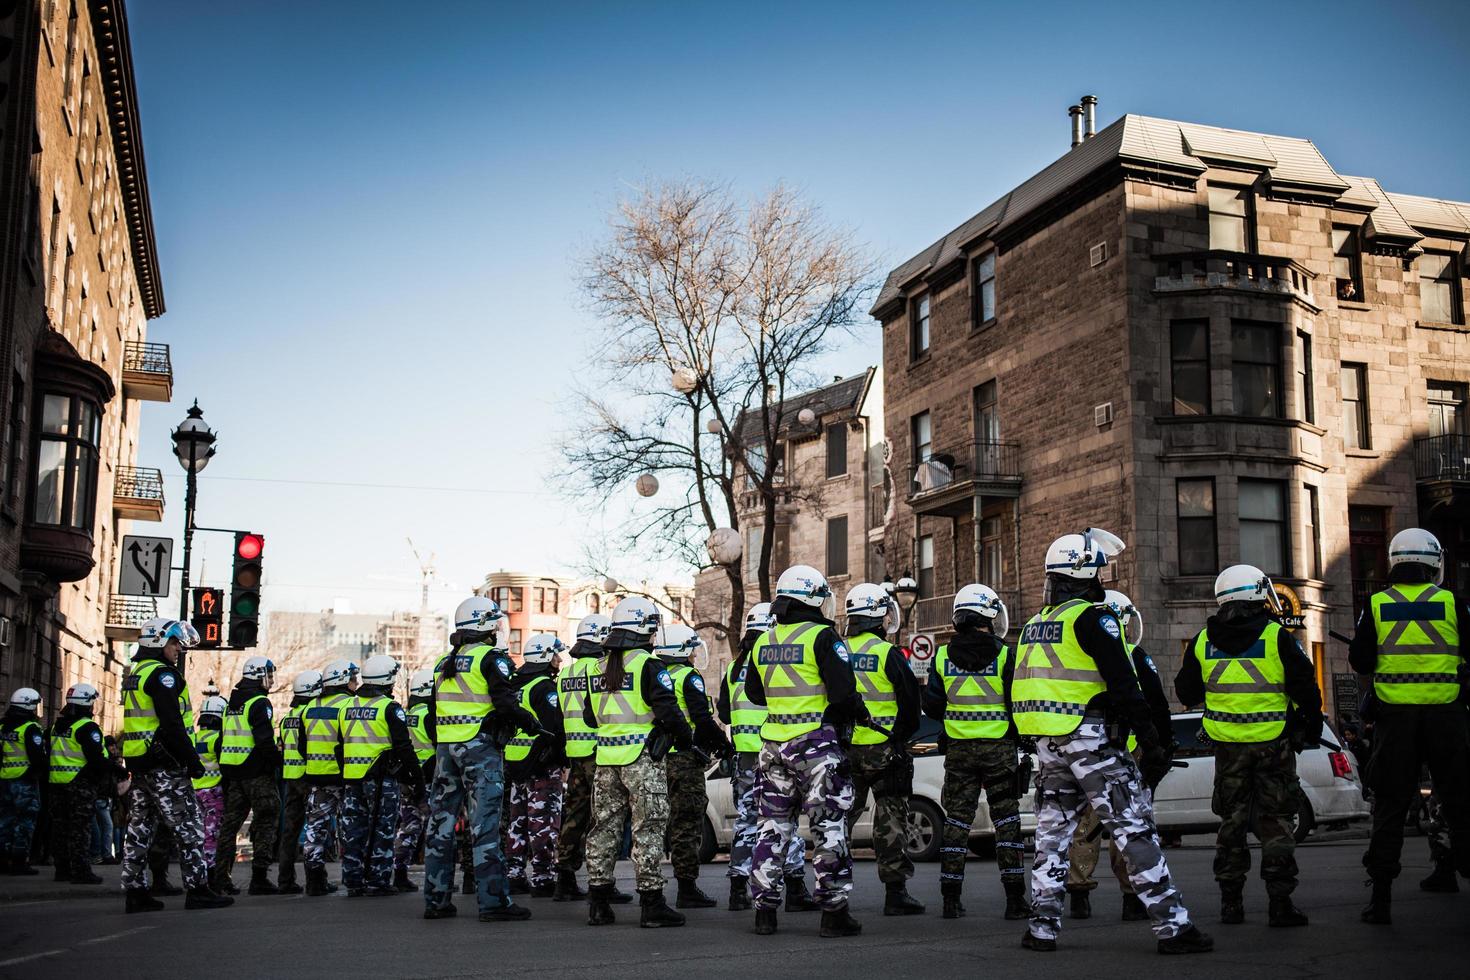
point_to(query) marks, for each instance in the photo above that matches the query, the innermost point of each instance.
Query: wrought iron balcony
(946, 482)
(1444, 457)
(126, 615)
(936, 613)
(148, 372)
(137, 493)
(1238, 271)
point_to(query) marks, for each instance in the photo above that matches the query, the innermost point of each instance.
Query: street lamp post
(905, 593)
(194, 447)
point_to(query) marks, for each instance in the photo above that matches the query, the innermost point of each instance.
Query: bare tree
(713, 310)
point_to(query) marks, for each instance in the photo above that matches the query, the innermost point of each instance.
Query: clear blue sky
(369, 214)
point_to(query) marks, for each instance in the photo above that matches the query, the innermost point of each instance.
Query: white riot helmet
(338, 673)
(804, 584)
(1082, 555)
(635, 615)
(155, 633)
(867, 601)
(675, 641)
(1414, 545)
(26, 698)
(215, 706)
(1127, 613)
(379, 670)
(542, 648)
(308, 684)
(477, 614)
(81, 695)
(759, 617)
(1246, 583)
(982, 601)
(259, 669)
(593, 628)
(421, 684)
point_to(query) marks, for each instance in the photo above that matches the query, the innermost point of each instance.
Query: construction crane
(427, 573)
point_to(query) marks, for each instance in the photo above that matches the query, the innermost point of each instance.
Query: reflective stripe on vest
(15, 761)
(293, 761)
(207, 744)
(679, 674)
(238, 741)
(67, 758)
(746, 717)
(140, 716)
(571, 689)
(868, 655)
(796, 698)
(1418, 645)
(365, 734)
(518, 749)
(322, 722)
(418, 731)
(1054, 677)
(1245, 693)
(462, 701)
(624, 717)
(974, 702)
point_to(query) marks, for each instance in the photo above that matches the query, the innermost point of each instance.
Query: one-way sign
(145, 565)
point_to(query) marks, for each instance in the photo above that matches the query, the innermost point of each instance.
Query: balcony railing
(126, 615)
(1217, 269)
(148, 372)
(137, 493)
(977, 462)
(1442, 457)
(937, 612)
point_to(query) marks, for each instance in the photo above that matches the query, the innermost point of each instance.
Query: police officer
(581, 749)
(208, 788)
(476, 711)
(533, 762)
(321, 726)
(1410, 641)
(78, 764)
(968, 688)
(744, 718)
(1086, 844)
(1251, 676)
(880, 760)
(158, 748)
(1076, 694)
(376, 752)
(803, 677)
(291, 740)
(414, 808)
(22, 767)
(676, 644)
(631, 696)
(250, 760)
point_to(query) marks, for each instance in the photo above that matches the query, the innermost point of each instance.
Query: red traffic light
(249, 546)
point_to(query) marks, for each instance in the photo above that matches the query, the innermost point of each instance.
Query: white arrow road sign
(145, 565)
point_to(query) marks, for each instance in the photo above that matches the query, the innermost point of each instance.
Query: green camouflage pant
(576, 813)
(1256, 788)
(687, 803)
(641, 786)
(1087, 842)
(890, 813)
(970, 766)
(260, 799)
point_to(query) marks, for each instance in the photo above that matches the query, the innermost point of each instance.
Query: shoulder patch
(1111, 626)
(698, 683)
(840, 649)
(399, 713)
(96, 735)
(502, 665)
(167, 680)
(665, 679)
(35, 738)
(1150, 661)
(551, 698)
(269, 712)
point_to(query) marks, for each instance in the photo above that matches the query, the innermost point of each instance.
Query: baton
(871, 724)
(1340, 637)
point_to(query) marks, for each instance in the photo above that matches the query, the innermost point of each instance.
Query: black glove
(683, 737)
(196, 769)
(712, 739)
(525, 720)
(1312, 732)
(1027, 744)
(1154, 763)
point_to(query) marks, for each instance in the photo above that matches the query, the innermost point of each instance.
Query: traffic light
(245, 590)
(209, 607)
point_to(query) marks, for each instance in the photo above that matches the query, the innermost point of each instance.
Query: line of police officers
(817, 719)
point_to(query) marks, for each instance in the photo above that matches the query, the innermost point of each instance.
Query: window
(837, 450)
(919, 328)
(66, 462)
(512, 599)
(1189, 352)
(1230, 218)
(753, 539)
(1195, 503)
(1446, 408)
(1255, 369)
(755, 465)
(1304, 377)
(1347, 266)
(987, 417)
(1355, 431)
(992, 559)
(837, 546)
(1263, 537)
(594, 603)
(515, 642)
(1439, 288)
(926, 566)
(1314, 532)
(548, 600)
(923, 437)
(984, 289)
(16, 433)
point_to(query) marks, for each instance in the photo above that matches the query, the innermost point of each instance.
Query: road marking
(33, 956)
(21, 905)
(84, 942)
(115, 935)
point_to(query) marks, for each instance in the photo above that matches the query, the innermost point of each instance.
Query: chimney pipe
(1076, 113)
(1089, 113)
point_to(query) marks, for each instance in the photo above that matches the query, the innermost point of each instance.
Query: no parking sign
(921, 649)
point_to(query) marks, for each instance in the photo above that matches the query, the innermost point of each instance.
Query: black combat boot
(898, 901)
(1283, 913)
(1232, 903)
(599, 907)
(162, 886)
(617, 896)
(1376, 913)
(765, 922)
(567, 889)
(546, 889)
(261, 884)
(509, 912)
(383, 891)
(1036, 944)
(654, 912)
(403, 882)
(445, 911)
(1191, 940)
(316, 882)
(205, 898)
(690, 897)
(85, 876)
(1441, 879)
(1016, 907)
(140, 901)
(838, 924)
(798, 899)
(1081, 904)
(520, 886)
(221, 883)
(740, 894)
(1133, 909)
(286, 880)
(950, 892)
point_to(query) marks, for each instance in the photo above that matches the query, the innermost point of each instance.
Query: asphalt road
(270, 936)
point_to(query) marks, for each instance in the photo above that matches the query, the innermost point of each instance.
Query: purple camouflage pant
(805, 775)
(212, 808)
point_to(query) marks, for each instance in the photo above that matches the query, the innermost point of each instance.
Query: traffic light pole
(190, 487)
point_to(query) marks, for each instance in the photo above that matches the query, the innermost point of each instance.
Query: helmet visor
(185, 633)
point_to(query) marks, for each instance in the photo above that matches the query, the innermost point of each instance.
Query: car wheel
(707, 846)
(1305, 819)
(921, 837)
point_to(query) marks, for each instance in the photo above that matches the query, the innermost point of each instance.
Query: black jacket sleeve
(1189, 683)
(163, 687)
(754, 688)
(1152, 687)
(264, 732)
(1300, 682)
(661, 699)
(547, 709)
(1123, 699)
(846, 704)
(89, 737)
(36, 754)
(1363, 651)
(722, 702)
(906, 691)
(400, 745)
(934, 699)
(497, 671)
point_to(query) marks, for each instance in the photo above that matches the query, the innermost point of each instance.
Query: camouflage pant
(469, 773)
(805, 775)
(323, 815)
(1255, 785)
(369, 818)
(464, 845)
(890, 813)
(973, 765)
(410, 834)
(1439, 830)
(687, 804)
(747, 817)
(73, 811)
(167, 796)
(641, 787)
(1081, 769)
(1086, 849)
(576, 813)
(20, 804)
(293, 818)
(211, 811)
(530, 838)
(260, 799)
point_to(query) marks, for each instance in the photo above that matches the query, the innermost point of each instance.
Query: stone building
(78, 282)
(1208, 341)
